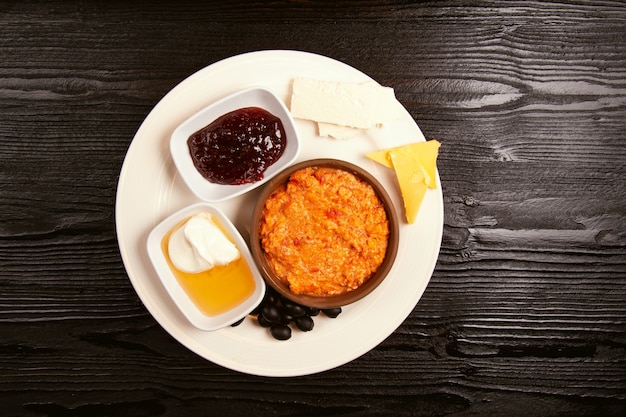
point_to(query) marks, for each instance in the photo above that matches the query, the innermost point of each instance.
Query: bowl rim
(343, 299)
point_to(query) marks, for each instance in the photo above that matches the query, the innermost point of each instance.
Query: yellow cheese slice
(416, 170)
(382, 157)
(424, 153)
(412, 183)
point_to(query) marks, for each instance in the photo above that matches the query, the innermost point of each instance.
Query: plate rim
(193, 344)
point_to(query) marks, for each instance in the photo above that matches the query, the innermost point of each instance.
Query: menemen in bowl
(325, 231)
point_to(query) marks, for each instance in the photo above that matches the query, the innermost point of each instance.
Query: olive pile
(277, 313)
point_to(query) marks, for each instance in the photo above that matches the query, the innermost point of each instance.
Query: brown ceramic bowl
(324, 301)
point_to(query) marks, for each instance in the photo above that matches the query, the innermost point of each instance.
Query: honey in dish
(217, 290)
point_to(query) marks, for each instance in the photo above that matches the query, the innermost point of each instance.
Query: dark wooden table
(525, 313)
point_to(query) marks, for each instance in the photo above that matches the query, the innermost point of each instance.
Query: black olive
(238, 322)
(271, 298)
(280, 331)
(287, 303)
(305, 323)
(312, 311)
(277, 313)
(270, 313)
(263, 322)
(257, 310)
(295, 310)
(286, 318)
(332, 312)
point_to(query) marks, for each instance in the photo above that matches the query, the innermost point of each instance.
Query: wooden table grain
(525, 313)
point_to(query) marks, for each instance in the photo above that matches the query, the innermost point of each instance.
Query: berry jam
(238, 146)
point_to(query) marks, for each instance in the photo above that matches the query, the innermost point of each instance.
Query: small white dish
(176, 291)
(251, 97)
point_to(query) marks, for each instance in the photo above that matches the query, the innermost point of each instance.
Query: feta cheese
(335, 131)
(362, 106)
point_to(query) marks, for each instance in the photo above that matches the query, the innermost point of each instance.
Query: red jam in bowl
(238, 146)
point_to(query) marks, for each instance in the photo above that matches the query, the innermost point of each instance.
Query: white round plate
(150, 189)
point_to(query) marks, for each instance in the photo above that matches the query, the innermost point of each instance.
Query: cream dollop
(199, 244)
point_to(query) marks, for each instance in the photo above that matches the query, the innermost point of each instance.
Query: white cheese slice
(330, 130)
(363, 105)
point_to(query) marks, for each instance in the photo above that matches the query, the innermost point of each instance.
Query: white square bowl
(176, 291)
(251, 97)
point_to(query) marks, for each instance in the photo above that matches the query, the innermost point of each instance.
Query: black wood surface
(526, 310)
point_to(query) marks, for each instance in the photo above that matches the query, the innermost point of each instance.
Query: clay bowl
(344, 298)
